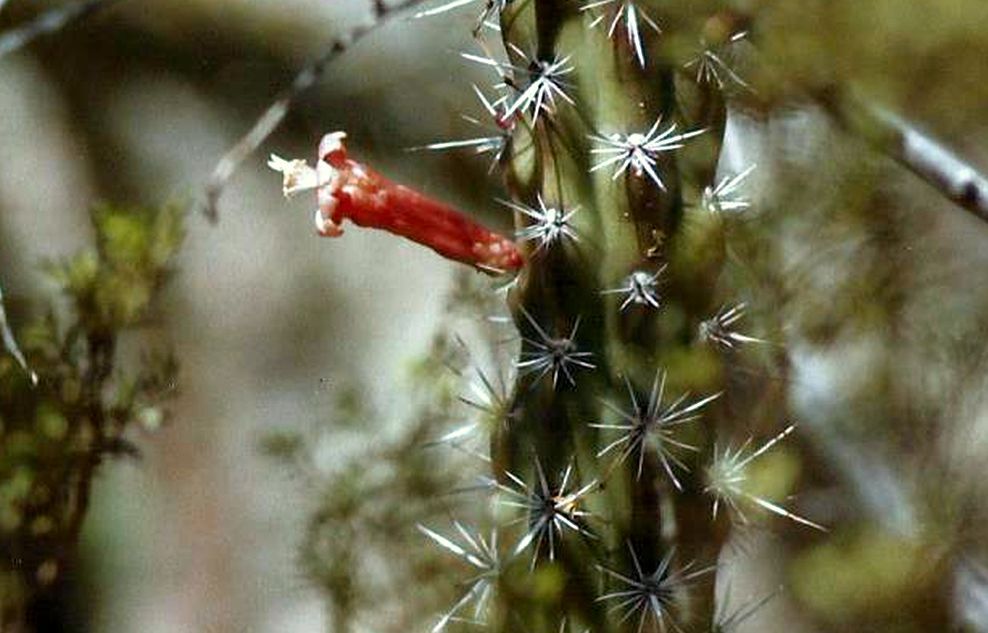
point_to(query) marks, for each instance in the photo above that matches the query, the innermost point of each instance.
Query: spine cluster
(618, 467)
(617, 472)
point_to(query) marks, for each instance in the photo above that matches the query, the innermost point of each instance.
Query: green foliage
(373, 474)
(54, 436)
(112, 285)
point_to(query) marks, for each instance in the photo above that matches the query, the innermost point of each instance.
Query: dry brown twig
(272, 117)
(48, 22)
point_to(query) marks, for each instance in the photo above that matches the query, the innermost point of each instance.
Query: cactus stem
(549, 510)
(628, 12)
(649, 419)
(724, 197)
(718, 329)
(726, 478)
(482, 554)
(639, 151)
(712, 67)
(653, 594)
(555, 355)
(640, 288)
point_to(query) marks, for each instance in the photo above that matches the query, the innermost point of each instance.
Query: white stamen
(297, 175)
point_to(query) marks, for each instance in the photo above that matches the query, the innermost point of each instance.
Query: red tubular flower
(350, 190)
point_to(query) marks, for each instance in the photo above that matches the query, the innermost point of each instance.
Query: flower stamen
(347, 189)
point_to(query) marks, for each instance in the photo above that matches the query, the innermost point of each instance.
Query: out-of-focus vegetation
(357, 546)
(866, 284)
(87, 404)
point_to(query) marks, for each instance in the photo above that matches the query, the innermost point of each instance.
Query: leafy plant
(87, 401)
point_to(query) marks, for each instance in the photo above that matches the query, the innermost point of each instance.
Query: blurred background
(135, 105)
(277, 331)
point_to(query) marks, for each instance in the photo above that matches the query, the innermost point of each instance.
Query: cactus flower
(347, 189)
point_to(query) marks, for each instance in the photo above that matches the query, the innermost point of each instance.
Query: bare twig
(900, 139)
(919, 152)
(269, 121)
(48, 22)
(10, 343)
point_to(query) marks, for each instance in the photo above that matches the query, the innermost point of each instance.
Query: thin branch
(925, 156)
(10, 343)
(900, 139)
(269, 121)
(48, 22)
(101, 351)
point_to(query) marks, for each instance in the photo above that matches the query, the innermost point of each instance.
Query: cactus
(606, 471)
(641, 429)
(634, 442)
(604, 462)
